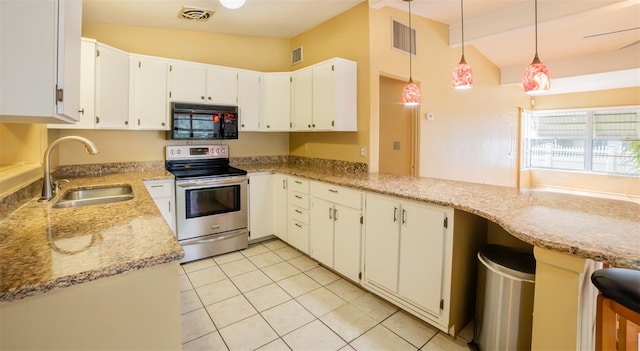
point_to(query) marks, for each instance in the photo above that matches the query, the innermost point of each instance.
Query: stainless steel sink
(95, 195)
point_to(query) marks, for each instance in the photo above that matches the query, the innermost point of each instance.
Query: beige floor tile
(189, 301)
(252, 280)
(209, 342)
(218, 291)
(229, 257)
(254, 249)
(280, 271)
(198, 265)
(348, 322)
(267, 296)
(206, 276)
(231, 310)
(238, 267)
(322, 275)
(274, 244)
(320, 301)
(444, 342)
(196, 324)
(304, 263)
(275, 345)
(373, 306)
(287, 317)
(410, 328)
(347, 348)
(314, 336)
(467, 332)
(265, 259)
(288, 252)
(380, 338)
(298, 284)
(185, 283)
(345, 289)
(248, 334)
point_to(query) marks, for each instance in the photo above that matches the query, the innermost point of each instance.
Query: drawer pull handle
(395, 214)
(298, 211)
(404, 216)
(157, 186)
(335, 214)
(298, 225)
(298, 182)
(333, 191)
(330, 213)
(298, 197)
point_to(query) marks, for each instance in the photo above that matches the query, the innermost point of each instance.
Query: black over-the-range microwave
(203, 122)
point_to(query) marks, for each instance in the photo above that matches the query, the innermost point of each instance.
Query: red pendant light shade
(536, 78)
(411, 91)
(462, 76)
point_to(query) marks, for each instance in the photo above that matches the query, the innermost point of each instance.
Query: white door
(222, 86)
(249, 100)
(149, 98)
(298, 235)
(323, 96)
(260, 205)
(188, 82)
(279, 208)
(347, 234)
(112, 88)
(68, 76)
(276, 101)
(421, 255)
(321, 219)
(382, 241)
(302, 99)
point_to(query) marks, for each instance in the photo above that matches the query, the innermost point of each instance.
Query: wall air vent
(403, 38)
(195, 13)
(296, 55)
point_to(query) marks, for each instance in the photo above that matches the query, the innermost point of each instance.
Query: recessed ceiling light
(232, 4)
(195, 13)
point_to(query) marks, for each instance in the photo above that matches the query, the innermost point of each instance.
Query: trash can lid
(508, 260)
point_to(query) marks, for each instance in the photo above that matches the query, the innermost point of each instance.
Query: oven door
(210, 206)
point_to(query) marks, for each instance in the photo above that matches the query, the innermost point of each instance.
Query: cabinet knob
(309, 125)
(313, 125)
(242, 125)
(81, 111)
(209, 98)
(126, 122)
(268, 126)
(163, 124)
(138, 121)
(202, 98)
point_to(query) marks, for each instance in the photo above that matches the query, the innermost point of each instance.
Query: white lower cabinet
(162, 192)
(261, 218)
(298, 213)
(335, 228)
(280, 213)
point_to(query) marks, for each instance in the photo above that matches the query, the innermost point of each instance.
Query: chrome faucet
(48, 188)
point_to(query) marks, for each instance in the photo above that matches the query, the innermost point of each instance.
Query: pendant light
(411, 91)
(463, 74)
(232, 4)
(536, 79)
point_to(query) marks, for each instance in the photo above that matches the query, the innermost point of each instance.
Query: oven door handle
(218, 237)
(210, 182)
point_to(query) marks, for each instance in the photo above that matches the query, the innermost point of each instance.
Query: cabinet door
(279, 207)
(68, 67)
(298, 235)
(347, 232)
(302, 99)
(382, 241)
(260, 205)
(421, 255)
(188, 82)
(323, 96)
(149, 98)
(163, 194)
(276, 111)
(222, 86)
(321, 231)
(249, 100)
(112, 88)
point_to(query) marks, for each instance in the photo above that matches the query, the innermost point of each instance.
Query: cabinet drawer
(337, 194)
(298, 184)
(299, 199)
(159, 189)
(299, 214)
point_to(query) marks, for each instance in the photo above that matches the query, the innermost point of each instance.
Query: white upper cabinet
(325, 97)
(188, 82)
(222, 85)
(40, 61)
(249, 100)
(112, 88)
(276, 101)
(149, 106)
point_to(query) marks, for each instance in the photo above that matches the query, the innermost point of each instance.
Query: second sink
(95, 195)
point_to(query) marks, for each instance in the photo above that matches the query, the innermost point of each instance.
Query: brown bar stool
(619, 295)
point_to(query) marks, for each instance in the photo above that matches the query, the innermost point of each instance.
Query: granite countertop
(601, 229)
(44, 248)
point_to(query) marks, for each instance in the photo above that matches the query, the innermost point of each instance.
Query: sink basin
(95, 195)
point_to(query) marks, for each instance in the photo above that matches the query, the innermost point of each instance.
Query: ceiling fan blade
(630, 45)
(607, 33)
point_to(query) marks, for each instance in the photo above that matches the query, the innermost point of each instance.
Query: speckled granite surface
(596, 228)
(44, 248)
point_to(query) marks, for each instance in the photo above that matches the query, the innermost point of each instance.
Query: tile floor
(272, 297)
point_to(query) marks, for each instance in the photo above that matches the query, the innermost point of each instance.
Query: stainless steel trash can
(504, 306)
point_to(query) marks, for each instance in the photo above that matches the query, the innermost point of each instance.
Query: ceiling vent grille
(296, 55)
(195, 13)
(403, 38)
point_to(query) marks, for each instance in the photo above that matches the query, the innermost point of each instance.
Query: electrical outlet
(429, 116)
(363, 151)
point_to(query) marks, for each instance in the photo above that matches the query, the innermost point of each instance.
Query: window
(602, 141)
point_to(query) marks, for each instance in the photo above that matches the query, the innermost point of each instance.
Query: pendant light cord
(410, 44)
(536, 25)
(462, 19)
